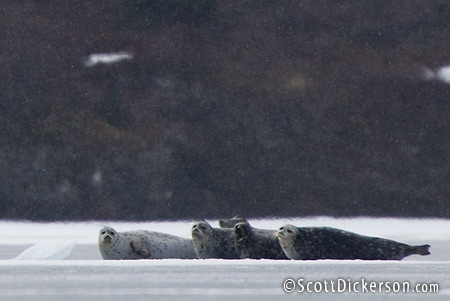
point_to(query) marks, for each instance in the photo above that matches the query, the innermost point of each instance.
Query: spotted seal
(143, 244)
(257, 243)
(311, 243)
(212, 242)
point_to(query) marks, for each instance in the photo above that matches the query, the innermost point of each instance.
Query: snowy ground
(84, 276)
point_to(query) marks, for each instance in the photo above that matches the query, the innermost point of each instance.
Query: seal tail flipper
(421, 250)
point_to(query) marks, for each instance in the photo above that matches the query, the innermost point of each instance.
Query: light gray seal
(212, 242)
(257, 243)
(143, 244)
(311, 243)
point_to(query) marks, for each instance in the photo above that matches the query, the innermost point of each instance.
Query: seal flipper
(421, 250)
(137, 248)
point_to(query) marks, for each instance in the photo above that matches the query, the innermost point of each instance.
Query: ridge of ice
(53, 250)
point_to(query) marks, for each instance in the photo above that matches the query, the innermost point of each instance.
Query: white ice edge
(402, 229)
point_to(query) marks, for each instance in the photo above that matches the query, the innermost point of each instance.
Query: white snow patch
(444, 74)
(106, 58)
(441, 74)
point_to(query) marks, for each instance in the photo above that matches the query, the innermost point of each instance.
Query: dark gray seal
(230, 223)
(143, 244)
(212, 242)
(311, 243)
(257, 243)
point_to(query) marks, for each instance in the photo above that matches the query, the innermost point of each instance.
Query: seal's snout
(107, 237)
(195, 230)
(281, 231)
(239, 230)
(198, 229)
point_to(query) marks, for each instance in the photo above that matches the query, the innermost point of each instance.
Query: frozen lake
(84, 276)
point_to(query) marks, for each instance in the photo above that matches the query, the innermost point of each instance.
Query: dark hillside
(258, 108)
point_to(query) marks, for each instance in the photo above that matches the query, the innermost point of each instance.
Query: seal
(311, 243)
(257, 243)
(230, 223)
(212, 242)
(143, 244)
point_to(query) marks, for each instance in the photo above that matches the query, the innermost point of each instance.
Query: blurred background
(216, 108)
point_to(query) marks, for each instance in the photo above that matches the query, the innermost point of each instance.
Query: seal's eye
(112, 233)
(203, 227)
(289, 231)
(282, 228)
(103, 232)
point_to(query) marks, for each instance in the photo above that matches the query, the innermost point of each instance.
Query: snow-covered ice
(54, 250)
(19, 233)
(84, 276)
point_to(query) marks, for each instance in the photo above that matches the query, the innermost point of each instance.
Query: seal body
(311, 243)
(257, 243)
(212, 242)
(143, 244)
(230, 223)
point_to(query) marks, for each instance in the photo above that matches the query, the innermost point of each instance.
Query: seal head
(108, 237)
(286, 236)
(212, 242)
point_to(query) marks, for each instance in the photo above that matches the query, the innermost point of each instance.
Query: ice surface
(173, 279)
(84, 276)
(404, 229)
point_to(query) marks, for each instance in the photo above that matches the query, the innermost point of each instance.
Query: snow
(84, 276)
(442, 74)
(208, 279)
(106, 58)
